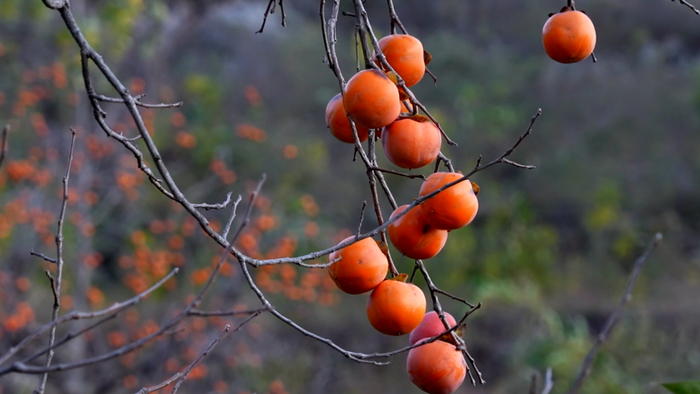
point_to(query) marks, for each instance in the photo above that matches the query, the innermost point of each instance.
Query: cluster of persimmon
(374, 100)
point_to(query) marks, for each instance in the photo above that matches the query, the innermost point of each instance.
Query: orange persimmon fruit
(437, 367)
(339, 124)
(452, 208)
(411, 142)
(371, 99)
(413, 237)
(405, 55)
(568, 36)
(362, 266)
(396, 307)
(430, 326)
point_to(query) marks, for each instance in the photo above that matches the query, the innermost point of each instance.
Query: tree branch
(614, 316)
(57, 281)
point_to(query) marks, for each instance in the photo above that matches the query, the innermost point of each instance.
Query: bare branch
(114, 309)
(229, 222)
(548, 383)
(692, 7)
(200, 313)
(220, 205)
(137, 101)
(409, 176)
(3, 143)
(57, 281)
(614, 316)
(182, 375)
(43, 256)
(271, 5)
(362, 218)
(55, 4)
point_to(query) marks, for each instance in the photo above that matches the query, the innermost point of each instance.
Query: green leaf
(683, 387)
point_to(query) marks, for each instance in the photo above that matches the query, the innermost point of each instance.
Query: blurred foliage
(616, 151)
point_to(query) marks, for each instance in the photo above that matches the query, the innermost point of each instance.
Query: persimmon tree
(301, 277)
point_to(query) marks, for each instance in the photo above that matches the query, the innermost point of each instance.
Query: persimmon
(413, 237)
(568, 36)
(362, 266)
(437, 367)
(396, 307)
(339, 124)
(405, 55)
(411, 142)
(430, 326)
(371, 99)
(452, 208)
(405, 111)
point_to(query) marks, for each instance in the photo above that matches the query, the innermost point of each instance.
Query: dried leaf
(475, 187)
(427, 57)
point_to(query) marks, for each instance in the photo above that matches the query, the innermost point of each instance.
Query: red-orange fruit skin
(339, 124)
(430, 326)
(371, 99)
(405, 55)
(454, 207)
(436, 368)
(413, 237)
(362, 268)
(395, 307)
(569, 36)
(410, 144)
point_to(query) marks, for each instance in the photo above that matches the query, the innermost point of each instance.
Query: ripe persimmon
(413, 237)
(411, 142)
(339, 124)
(437, 367)
(362, 266)
(405, 55)
(430, 326)
(371, 99)
(452, 208)
(396, 307)
(568, 36)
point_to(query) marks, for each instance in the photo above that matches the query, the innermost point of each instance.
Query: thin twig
(271, 10)
(220, 205)
(362, 217)
(138, 102)
(3, 144)
(43, 256)
(114, 309)
(70, 336)
(548, 383)
(614, 316)
(692, 7)
(231, 217)
(182, 375)
(57, 281)
(201, 313)
(409, 176)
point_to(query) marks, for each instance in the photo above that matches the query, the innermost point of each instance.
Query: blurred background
(617, 151)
